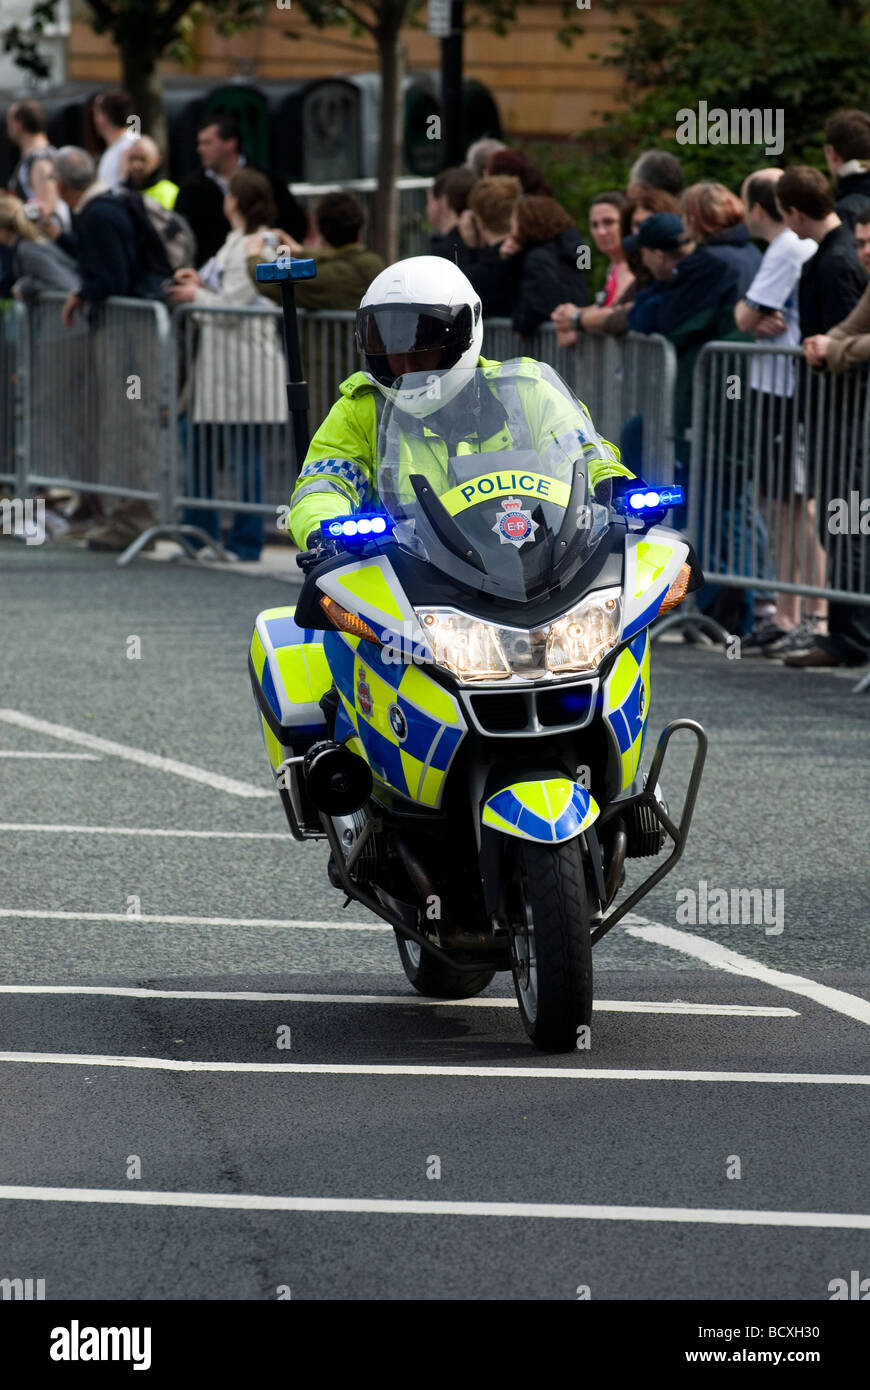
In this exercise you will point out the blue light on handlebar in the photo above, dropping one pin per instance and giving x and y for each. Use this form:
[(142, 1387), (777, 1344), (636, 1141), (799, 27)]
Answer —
[(655, 498), (356, 529)]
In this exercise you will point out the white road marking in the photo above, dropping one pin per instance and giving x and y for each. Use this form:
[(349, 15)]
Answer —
[(383, 1206), (785, 1078), (41, 757), (723, 958), (134, 755), (151, 919), (29, 827), (617, 1006)]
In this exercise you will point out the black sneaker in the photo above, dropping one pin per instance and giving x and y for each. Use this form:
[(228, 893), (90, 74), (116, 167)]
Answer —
[(800, 639), (762, 636)]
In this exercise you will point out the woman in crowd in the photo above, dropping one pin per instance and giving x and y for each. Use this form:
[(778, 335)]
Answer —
[(37, 264), (542, 232), (238, 378), (611, 315)]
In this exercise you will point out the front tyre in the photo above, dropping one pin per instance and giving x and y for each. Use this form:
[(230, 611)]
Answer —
[(551, 943), (432, 977)]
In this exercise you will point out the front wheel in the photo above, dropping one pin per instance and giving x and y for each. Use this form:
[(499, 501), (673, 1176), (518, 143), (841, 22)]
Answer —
[(551, 943), (432, 977)]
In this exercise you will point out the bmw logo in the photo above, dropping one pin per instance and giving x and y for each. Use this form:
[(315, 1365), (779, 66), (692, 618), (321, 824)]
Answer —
[(641, 700), (398, 723)]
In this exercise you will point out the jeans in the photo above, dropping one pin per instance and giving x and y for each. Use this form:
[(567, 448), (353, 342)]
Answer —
[(207, 447)]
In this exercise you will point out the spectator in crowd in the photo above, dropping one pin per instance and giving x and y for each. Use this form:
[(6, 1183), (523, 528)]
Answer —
[(847, 151), (483, 226), (692, 304), (33, 178), (200, 198), (37, 265), (847, 344), (656, 169), (142, 171), (446, 201), (844, 346), (478, 155), (345, 267), (543, 236), (104, 239), (613, 318), (769, 311), (112, 259), (110, 112), (519, 166), (833, 280), (238, 377), (862, 242)]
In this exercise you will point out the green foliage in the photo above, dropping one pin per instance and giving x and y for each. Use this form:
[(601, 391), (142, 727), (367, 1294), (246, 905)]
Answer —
[(806, 57)]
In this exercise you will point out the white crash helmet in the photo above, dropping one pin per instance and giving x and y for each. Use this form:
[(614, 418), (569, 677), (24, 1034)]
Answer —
[(417, 307)]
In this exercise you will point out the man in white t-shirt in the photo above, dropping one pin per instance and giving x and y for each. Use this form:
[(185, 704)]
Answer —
[(110, 112), (769, 311)]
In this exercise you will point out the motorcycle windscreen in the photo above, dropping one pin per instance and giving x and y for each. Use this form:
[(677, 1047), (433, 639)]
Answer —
[(495, 485)]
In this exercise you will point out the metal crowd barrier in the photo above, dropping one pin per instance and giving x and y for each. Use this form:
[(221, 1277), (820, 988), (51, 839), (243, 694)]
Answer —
[(189, 412), (10, 425), (94, 399), (777, 474)]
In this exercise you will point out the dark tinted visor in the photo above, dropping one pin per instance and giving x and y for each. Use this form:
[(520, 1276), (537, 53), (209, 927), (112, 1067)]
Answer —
[(403, 330)]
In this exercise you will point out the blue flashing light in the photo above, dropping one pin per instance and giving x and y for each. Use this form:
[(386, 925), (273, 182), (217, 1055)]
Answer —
[(356, 529), (655, 498)]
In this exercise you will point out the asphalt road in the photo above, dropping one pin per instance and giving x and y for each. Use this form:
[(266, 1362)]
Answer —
[(716, 1048)]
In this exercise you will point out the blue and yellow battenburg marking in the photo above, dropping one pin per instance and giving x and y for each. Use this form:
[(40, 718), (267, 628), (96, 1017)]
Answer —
[(549, 811), (371, 589), (290, 666), (406, 726), (625, 703), (651, 566)]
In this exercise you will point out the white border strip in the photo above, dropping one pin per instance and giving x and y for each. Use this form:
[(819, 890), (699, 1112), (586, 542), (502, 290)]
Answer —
[(26, 828), (852, 1005), (615, 1006), (230, 1201), (41, 757), (87, 1059), (148, 919), (134, 755)]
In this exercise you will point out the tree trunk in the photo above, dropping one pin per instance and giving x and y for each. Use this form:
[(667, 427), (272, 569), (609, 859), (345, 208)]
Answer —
[(142, 79), (385, 229)]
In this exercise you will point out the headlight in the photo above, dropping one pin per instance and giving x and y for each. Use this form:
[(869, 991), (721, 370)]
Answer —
[(582, 638), (468, 648), (473, 650)]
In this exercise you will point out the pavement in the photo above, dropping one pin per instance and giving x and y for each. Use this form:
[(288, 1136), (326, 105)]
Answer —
[(217, 1083)]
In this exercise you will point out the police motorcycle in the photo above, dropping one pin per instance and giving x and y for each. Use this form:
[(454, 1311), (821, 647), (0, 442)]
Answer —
[(458, 704)]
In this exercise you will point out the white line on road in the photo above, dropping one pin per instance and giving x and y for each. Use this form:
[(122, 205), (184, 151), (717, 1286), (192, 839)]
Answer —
[(30, 827), (621, 1006), (137, 919), (852, 1005), (40, 757), (134, 755), (87, 1059), (559, 1211)]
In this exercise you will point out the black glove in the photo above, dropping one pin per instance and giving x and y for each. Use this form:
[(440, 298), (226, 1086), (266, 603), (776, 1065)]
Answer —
[(318, 549)]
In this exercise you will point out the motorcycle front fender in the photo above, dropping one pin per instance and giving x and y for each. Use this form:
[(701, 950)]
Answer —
[(550, 810)]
